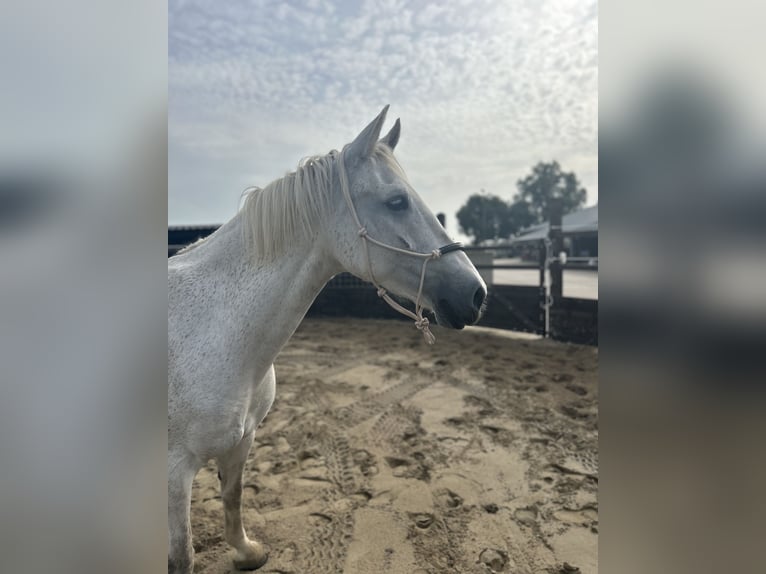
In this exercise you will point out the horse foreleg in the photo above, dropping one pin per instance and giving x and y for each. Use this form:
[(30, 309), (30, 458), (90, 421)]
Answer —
[(249, 553), (180, 550)]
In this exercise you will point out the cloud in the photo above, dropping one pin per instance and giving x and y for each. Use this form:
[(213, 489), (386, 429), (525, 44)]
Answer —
[(484, 89)]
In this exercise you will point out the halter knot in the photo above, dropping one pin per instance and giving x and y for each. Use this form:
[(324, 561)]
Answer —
[(381, 292), (436, 253), (423, 326), (362, 232)]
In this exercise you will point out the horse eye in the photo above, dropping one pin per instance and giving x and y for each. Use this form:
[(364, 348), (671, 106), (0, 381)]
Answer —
[(398, 203)]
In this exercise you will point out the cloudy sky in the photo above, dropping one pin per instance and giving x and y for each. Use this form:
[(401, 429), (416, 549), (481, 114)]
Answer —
[(484, 88)]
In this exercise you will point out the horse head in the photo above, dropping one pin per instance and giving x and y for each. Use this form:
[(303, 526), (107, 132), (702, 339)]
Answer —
[(383, 232)]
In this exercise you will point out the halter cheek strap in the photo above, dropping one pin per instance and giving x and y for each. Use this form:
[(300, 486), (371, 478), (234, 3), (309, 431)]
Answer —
[(421, 322)]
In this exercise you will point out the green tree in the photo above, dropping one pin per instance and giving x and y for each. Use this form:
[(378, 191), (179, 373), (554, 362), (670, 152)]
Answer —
[(485, 217), (545, 182), (521, 216)]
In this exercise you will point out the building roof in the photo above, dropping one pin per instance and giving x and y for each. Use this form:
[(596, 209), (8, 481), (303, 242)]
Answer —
[(582, 221)]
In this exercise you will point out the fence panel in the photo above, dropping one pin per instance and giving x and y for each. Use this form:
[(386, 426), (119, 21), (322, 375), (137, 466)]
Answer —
[(512, 307), (575, 321)]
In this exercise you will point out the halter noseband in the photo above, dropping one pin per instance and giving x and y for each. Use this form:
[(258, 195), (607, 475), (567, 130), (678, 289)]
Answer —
[(450, 247), (421, 322)]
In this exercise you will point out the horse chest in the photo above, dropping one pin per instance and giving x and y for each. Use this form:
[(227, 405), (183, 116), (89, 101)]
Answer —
[(233, 415), (260, 399)]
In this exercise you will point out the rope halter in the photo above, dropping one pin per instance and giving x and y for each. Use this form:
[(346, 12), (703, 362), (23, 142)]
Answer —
[(421, 322)]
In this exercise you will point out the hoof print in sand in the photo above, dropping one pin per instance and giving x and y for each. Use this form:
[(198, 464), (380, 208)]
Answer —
[(407, 468), (448, 499), (495, 560), (422, 520), (526, 516), (481, 458)]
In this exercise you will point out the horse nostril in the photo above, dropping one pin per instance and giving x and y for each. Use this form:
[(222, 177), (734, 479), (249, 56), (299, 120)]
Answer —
[(478, 297)]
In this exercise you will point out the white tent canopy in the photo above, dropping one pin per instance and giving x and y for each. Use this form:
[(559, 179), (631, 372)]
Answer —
[(582, 221)]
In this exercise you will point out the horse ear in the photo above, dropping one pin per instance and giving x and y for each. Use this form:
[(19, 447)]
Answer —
[(392, 137), (364, 144)]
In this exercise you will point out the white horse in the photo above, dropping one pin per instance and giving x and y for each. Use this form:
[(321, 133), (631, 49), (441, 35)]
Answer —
[(235, 298)]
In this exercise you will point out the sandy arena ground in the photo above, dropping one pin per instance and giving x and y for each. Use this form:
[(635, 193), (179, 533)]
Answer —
[(384, 455)]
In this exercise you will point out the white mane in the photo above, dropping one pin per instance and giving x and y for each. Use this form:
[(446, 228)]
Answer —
[(294, 206)]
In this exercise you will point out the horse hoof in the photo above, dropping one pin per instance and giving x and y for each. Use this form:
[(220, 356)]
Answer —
[(251, 558)]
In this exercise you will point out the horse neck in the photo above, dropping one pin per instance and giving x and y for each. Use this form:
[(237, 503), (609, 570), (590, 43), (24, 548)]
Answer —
[(264, 303)]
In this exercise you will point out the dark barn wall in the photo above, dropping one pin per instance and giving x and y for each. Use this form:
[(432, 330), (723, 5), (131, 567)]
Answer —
[(348, 296), (513, 307), (509, 307), (179, 237), (575, 321)]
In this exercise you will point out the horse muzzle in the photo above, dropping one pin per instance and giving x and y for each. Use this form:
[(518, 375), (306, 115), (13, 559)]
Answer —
[(455, 310)]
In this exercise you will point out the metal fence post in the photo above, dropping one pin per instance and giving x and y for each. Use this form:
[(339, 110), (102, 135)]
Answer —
[(557, 246), (542, 256)]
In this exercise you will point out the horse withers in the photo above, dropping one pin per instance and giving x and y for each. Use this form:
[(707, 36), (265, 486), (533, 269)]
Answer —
[(235, 298)]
